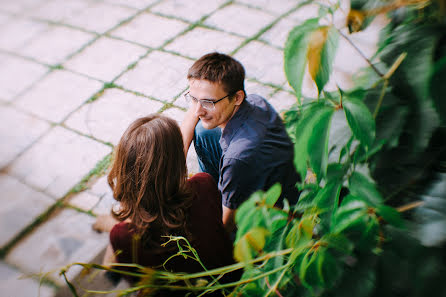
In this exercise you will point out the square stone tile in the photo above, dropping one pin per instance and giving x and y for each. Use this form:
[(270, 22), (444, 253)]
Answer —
[(56, 44), (274, 6), (140, 4), (252, 87), (13, 284), (100, 187), (106, 58), (175, 113), (100, 17), (108, 117), (262, 62), (181, 101), (282, 101), (58, 94), (21, 205), (160, 75), (58, 161), (105, 205), (19, 6), (150, 30), (4, 18), (72, 240), (18, 31), (84, 201), (201, 41), (26, 129), (240, 20), (16, 75), (58, 10), (304, 13), (190, 10), (278, 34)]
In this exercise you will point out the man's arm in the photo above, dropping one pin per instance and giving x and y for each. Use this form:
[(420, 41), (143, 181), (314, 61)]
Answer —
[(229, 219), (187, 128)]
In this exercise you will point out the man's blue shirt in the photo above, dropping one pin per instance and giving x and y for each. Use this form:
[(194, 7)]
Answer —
[(256, 153)]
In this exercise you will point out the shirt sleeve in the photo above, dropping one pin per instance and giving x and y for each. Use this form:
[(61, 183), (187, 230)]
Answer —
[(237, 182)]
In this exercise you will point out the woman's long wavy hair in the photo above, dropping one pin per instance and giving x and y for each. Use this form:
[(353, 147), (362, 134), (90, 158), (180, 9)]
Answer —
[(148, 178)]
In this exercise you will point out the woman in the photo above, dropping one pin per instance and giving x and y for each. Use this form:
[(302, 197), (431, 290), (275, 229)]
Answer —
[(149, 179)]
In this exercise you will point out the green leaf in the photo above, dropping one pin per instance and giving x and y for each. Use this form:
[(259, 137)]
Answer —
[(390, 215), (308, 272), (328, 268), (360, 120), (301, 233), (295, 52), (351, 212), (321, 52), (362, 187), (318, 144), (338, 242), (328, 197), (273, 194), (438, 88), (316, 113), (242, 250)]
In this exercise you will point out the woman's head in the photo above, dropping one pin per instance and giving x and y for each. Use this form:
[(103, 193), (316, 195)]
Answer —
[(149, 174)]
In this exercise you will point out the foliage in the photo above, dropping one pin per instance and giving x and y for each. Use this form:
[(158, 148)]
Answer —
[(371, 216)]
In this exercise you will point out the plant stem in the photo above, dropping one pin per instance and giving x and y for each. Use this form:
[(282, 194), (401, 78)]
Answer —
[(381, 97), (410, 206), (361, 53)]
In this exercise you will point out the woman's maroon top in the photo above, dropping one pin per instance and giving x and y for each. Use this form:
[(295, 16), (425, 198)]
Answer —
[(209, 237)]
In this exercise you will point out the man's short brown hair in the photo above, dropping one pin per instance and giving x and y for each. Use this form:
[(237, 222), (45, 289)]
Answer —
[(219, 68)]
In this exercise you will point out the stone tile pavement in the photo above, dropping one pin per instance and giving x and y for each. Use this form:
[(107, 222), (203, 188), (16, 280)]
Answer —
[(75, 73)]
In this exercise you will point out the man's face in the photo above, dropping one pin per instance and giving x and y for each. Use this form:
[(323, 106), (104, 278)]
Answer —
[(224, 109)]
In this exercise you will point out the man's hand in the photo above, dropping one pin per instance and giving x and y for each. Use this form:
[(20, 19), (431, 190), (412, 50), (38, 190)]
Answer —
[(187, 128), (229, 219)]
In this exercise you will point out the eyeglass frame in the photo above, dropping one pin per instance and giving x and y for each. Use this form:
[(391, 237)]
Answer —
[(188, 95)]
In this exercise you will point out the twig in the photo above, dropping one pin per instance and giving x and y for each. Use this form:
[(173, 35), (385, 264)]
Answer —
[(361, 53), (410, 206)]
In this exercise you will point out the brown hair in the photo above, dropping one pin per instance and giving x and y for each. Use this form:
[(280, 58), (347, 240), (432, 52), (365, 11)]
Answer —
[(219, 68), (149, 176)]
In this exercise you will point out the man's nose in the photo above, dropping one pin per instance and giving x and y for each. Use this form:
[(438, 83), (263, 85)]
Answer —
[(199, 110)]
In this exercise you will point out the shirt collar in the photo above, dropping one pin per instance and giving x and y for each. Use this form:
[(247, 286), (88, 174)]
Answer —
[(234, 124)]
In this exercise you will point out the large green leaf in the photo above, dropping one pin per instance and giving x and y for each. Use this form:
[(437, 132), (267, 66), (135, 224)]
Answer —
[(360, 120), (321, 53), (295, 52), (390, 215), (364, 188), (318, 144), (273, 194), (318, 115), (438, 88), (431, 217)]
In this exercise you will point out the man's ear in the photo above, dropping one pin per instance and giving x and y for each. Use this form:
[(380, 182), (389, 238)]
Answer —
[(239, 97)]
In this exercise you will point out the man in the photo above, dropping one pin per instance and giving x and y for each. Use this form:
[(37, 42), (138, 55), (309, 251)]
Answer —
[(240, 140)]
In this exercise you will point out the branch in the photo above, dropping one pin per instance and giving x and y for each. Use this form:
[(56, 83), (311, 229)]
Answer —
[(410, 206), (361, 53)]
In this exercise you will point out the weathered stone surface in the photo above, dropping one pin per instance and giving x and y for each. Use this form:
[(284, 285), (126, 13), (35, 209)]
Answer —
[(84, 201), (106, 201), (56, 44), (274, 6), (72, 240), (282, 101), (107, 117), (252, 87), (58, 94), (14, 284), (17, 32), (278, 34), (4, 18), (20, 130), (240, 20), (58, 161), (304, 13), (100, 17), (175, 113), (262, 62), (21, 205), (58, 10), (160, 75), (106, 58), (19, 6), (157, 30), (16, 75), (140, 4), (191, 10), (201, 41)]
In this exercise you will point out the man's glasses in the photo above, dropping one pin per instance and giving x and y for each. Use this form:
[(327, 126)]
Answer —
[(208, 104)]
